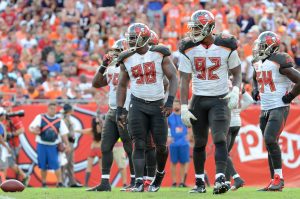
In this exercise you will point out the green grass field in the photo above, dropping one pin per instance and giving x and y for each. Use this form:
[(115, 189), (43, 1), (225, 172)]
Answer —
[(165, 193)]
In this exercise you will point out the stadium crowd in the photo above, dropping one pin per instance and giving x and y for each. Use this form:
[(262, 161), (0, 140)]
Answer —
[(51, 49)]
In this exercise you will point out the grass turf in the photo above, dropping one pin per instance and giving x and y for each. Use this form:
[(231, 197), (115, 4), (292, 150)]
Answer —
[(164, 193)]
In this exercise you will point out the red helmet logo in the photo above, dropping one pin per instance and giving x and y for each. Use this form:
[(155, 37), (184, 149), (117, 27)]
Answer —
[(144, 32), (269, 40), (203, 19)]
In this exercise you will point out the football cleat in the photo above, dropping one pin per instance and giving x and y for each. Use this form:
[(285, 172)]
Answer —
[(238, 183), (266, 188), (138, 187), (227, 183), (147, 184), (199, 187), (103, 186), (155, 185), (220, 186), (277, 184)]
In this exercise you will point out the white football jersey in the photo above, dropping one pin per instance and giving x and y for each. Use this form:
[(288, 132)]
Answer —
[(272, 84), (112, 77), (146, 75), (209, 66)]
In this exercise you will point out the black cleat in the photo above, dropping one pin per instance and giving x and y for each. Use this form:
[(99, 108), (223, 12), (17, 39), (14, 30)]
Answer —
[(199, 187), (174, 185), (277, 184), (76, 185), (227, 183), (266, 188), (138, 187), (155, 185), (220, 186), (103, 186), (60, 185), (238, 183)]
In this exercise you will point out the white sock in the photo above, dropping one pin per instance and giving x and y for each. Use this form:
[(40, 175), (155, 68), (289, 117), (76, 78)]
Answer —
[(105, 176), (279, 172), (149, 178), (132, 176), (139, 179), (219, 174), (236, 176), (144, 177), (200, 176)]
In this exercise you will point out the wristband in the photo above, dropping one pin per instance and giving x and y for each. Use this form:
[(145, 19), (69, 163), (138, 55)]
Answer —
[(102, 69), (288, 98), (169, 102), (119, 110)]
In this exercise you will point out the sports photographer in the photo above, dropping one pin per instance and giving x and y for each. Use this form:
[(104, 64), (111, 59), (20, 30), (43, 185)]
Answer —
[(14, 127)]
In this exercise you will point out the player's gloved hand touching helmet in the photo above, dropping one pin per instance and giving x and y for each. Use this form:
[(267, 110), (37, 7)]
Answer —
[(288, 98), (186, 115), (233, 97), (121, 117), (255, 94), (107, 59)]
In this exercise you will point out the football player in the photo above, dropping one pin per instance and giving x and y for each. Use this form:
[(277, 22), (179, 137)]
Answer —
[(150, 164), (145, 67), (108, 74), (206, 59), (272, 79), (235, 125)]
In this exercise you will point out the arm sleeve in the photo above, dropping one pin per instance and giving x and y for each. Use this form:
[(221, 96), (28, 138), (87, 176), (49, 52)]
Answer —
[(185, 64), (234, 60), (36, 122), (246, 101), (63, 129)]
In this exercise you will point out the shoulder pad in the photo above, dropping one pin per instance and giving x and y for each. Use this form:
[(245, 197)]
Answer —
[(125, 54), (226, 40), (161, 49), (185, 44), (283, 59)]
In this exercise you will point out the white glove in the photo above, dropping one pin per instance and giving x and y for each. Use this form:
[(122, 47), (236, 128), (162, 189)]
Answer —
[(233, 97), (186, 115)]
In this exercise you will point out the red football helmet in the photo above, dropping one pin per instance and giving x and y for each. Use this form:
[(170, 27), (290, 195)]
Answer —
[(138, 35), (201, 25), (267, 43), (154, 39)]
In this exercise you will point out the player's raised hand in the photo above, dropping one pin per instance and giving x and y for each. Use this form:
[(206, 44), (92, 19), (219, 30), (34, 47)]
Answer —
[(233, 97), (186, 115), (107, 58)]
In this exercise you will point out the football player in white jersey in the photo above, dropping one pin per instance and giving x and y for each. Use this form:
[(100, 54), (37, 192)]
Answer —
[(206, 59), (145, 68), (273, 77), (108, 74), (235, 125)]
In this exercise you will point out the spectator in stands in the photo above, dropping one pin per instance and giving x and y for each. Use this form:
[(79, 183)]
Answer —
[(245, 21), (179, 147), (49, 130), (51, 63)]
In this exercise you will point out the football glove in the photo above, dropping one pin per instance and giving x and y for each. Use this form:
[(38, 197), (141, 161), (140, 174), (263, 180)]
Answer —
[(288, 98), (233, 97), (255, 94), (186, 115)]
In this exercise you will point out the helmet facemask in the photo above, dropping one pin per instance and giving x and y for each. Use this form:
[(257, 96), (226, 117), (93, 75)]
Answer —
[(197, 32), (136, 41), (261, 50)]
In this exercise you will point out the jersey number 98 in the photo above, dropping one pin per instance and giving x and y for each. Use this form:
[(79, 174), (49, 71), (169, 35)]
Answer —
[(144, 73)]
